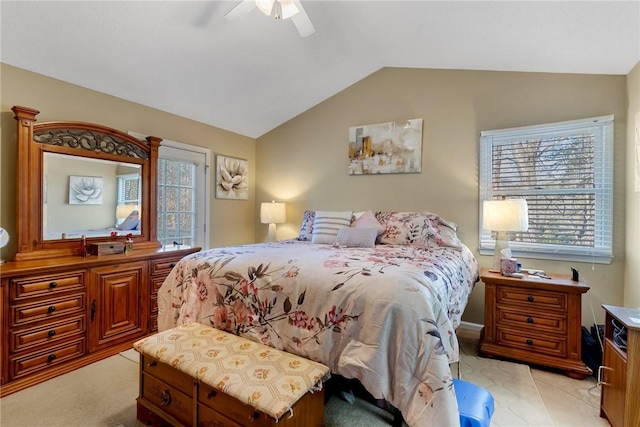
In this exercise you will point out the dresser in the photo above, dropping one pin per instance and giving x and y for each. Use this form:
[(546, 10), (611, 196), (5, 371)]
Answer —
[(619, 374), (534, 320), (62, 313)]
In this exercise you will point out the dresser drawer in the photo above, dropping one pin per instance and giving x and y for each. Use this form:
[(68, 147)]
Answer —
[(49, 309), (166, 373), (531, 320), (46, 285), (162, 267), (534, 299), (21, 365), (50, 333), (208, 417), (550, 345), (167, 399), (229, 406)]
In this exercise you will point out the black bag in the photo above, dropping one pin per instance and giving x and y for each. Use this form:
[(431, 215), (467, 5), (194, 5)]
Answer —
[(591, 351)]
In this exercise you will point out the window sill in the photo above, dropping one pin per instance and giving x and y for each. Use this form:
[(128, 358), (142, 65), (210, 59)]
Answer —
[(586, 258)]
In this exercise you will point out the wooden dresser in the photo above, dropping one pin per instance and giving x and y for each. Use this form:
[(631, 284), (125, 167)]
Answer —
[(619, 374), (63, 313), (534, 320)]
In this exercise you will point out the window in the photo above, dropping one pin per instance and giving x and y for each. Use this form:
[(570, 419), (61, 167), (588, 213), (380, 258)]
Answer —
[(565, 172), (182, 195)]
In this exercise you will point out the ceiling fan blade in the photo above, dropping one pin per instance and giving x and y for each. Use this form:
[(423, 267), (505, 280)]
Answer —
[(302, 21), (241, 10)]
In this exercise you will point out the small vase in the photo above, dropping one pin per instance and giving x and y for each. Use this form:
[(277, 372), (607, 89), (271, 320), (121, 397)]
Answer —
[(128, 246)]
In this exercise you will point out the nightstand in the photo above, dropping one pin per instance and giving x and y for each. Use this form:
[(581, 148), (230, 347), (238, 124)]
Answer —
[(620, 371), (534, 320)]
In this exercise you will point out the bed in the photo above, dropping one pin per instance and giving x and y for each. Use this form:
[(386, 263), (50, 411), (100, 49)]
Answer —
[(382, 310)]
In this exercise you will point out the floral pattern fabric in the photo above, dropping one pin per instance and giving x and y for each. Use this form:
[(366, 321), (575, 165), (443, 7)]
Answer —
[(384, 315)]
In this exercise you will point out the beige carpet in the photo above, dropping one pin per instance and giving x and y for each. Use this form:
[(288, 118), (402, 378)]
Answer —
[(104, 393)]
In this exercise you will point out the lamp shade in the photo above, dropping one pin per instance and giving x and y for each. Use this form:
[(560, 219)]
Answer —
[(505, 215), (123, 211), (272, 213)]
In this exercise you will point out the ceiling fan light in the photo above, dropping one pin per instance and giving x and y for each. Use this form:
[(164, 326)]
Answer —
[(265, 6), (288, 8)]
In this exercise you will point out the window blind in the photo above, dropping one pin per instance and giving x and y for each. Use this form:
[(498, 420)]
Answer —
[(565, 172)]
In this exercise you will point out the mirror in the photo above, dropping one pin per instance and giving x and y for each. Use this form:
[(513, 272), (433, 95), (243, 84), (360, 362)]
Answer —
[(90, 196), (75, 176)]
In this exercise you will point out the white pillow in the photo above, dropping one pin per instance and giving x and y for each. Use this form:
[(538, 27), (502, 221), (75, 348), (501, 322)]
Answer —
[(130, 222), (368, 220), (326, 225), (357, 237)]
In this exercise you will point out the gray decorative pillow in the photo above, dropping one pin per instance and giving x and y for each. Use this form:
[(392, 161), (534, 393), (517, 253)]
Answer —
[(360, 237), (130, 222), (326, 225)]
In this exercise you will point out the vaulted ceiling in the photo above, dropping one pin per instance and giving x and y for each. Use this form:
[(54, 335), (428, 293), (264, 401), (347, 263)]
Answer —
[(250, 75)]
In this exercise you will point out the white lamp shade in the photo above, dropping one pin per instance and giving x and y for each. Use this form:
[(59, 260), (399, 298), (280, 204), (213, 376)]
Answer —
[(272, 213), (123, 211), (505, 215)]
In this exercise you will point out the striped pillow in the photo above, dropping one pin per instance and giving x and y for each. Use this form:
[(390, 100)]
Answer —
[(326, 225)]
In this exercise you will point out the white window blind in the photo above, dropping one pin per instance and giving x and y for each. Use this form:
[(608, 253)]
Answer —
[(565, 172)]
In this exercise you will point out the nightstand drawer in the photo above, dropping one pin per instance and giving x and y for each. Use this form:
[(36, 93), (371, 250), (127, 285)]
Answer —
[(531, 320), (553, 346), (535, 299)]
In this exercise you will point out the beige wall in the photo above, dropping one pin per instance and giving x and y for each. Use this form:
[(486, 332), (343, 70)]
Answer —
[(232, 222), (632, 229), (304, 161)]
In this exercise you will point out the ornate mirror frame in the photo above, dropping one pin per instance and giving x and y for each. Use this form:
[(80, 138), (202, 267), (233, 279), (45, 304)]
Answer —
[(83, 140)]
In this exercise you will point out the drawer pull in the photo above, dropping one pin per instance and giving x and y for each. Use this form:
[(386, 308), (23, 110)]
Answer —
[(529, 342), (152, 364), (165, 398), (212, 394), (529, 319), (51, 333), (254, 416), (93, 310), (530, 298), (53, 285), (51, 357), (173, 264), (51, 308)]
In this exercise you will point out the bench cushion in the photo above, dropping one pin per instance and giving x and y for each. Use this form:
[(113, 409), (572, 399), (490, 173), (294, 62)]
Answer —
[(475, 404), (265, 378)]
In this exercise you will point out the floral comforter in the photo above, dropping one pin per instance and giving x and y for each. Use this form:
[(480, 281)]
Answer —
[(384, 315)]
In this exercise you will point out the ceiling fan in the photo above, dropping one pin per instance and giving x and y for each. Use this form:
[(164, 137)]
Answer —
[(279, 9)]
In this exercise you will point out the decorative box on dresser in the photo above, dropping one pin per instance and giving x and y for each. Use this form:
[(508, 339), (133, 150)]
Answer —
[(534, 320), (619, 374), (67, 312), (61, 309)]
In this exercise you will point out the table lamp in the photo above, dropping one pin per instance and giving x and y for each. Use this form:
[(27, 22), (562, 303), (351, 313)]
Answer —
[(503, 216), (272, 213)]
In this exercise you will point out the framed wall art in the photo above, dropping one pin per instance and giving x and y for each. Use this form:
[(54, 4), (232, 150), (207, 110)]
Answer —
[(393, 147), (232, 178), (85, 190)]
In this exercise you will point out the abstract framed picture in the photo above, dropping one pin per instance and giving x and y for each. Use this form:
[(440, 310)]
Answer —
[(85, 190), (232, 178), (384, 148)]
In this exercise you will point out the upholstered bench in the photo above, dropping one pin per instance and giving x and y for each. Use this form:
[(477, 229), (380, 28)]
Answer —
[(475, 404), (196, 375)]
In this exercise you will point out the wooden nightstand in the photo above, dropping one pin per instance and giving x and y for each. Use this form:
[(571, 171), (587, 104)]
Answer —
[(620, 371), (534, 320)]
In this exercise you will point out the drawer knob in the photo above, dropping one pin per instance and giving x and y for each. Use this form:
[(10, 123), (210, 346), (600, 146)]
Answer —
[(51, 333), (212, 394), (530, 298), (51, 357), (173, 264), (255, 415), (529, 342), (165, 398), (529, 319), (53, 285), (152, 364), (51, 308)]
